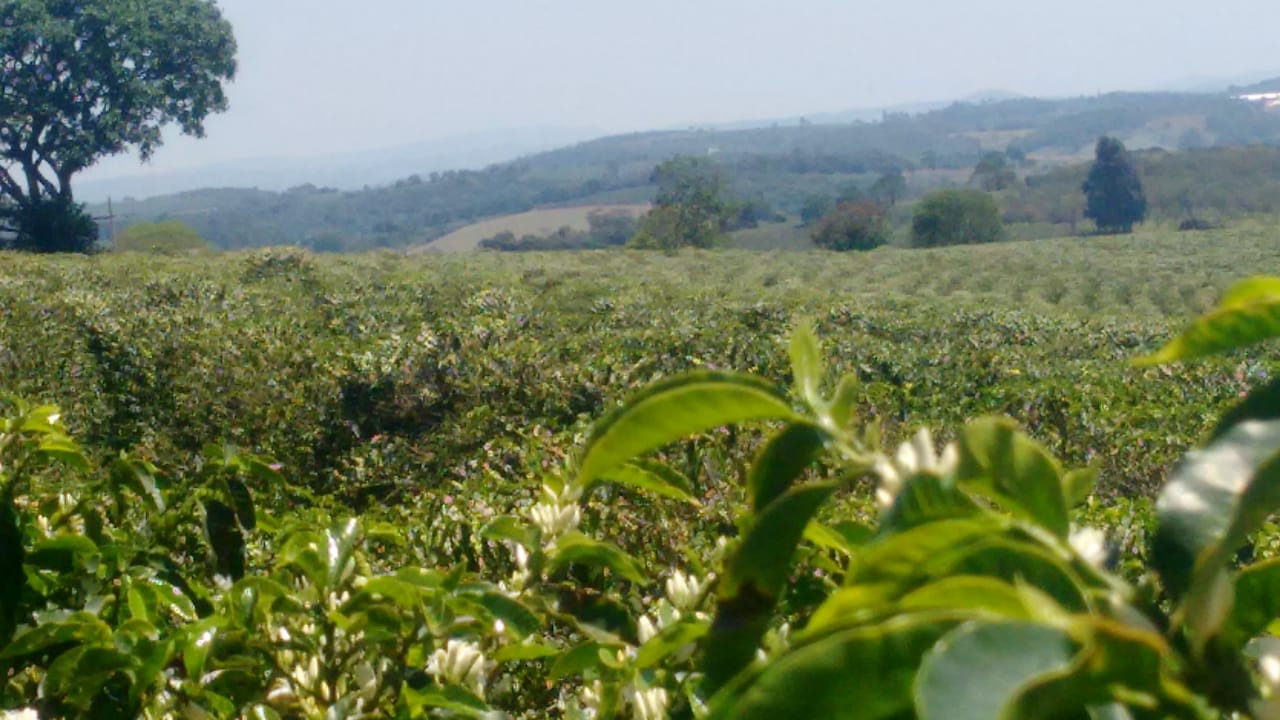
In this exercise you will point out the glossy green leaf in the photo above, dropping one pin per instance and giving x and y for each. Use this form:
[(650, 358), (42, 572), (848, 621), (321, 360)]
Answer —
[(977, 671), (1262, 403), (340, 543), (575, 547), (862, 673), (196, 642), (925, 499), (1214, 499), (1248, 313), (451, 698), (1257, 599), (754, 578), (653, 477), (999, 462), (782, 462), (676, 408)]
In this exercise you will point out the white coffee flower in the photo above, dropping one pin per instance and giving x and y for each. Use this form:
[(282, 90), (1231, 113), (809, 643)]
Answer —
[(649, 704), (555, 520), (1090, 543), (1268, 651), (914, 457), (646, 630), (684, 591), (460, 662), (20, 714)]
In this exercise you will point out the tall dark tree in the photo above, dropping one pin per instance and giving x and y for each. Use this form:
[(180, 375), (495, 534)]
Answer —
[(1114, 199), (84, 79)]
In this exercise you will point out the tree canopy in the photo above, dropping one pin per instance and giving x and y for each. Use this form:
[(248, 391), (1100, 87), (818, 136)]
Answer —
[(1114, 198), (84, 79), (956, 217), (690, 207)]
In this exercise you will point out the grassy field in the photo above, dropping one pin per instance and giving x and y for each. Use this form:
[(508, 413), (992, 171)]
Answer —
[(535, 222)]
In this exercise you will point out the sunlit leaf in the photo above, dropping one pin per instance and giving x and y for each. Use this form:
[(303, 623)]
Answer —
[(1248, 313), (676, 408)]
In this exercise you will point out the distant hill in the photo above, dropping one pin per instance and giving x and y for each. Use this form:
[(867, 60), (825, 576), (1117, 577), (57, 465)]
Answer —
[(779, 166), (345, 171)]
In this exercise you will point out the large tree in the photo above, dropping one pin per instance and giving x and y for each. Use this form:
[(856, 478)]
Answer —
[(690, 208), (1114, 199), (84, 79)]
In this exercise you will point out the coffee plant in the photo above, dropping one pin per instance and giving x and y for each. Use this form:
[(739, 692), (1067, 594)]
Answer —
[(823, 577)]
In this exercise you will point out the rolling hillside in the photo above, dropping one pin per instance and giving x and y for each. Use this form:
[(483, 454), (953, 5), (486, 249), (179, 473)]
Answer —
[(780, 165)]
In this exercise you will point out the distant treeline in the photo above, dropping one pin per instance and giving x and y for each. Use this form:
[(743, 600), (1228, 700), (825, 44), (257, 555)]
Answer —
[(778, 170)]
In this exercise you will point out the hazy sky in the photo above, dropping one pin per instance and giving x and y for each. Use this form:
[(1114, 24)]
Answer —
[(323, 76)]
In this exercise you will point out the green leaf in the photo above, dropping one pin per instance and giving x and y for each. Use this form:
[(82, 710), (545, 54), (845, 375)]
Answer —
[(1257, 599), (807, 367), (506, 527), (575, 661), (844, 401), (139, 477), (450, 697), (575, 547), (513, 653), (843, 537), (81, 628), (1248, 313), (62, 553), (79, 673), (862, 673), (654, 477), (673, 409), (340, 543), (924, 499), (782, 461), (1078, 485), (668, 642), (63, 450), (969, 593), (521, 619), (754, 578), (1006, 466), (196, 641), (1214, 499), (978, 670)]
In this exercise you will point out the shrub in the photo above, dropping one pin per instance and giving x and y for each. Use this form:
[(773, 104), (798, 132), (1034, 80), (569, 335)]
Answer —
[(170, 236), (956, 217), (852, 226)]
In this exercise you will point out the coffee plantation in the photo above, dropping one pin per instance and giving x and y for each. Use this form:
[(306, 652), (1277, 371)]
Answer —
[(959, 483)]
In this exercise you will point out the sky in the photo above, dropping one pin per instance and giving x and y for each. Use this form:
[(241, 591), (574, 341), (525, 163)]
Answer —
[(319, 77)]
